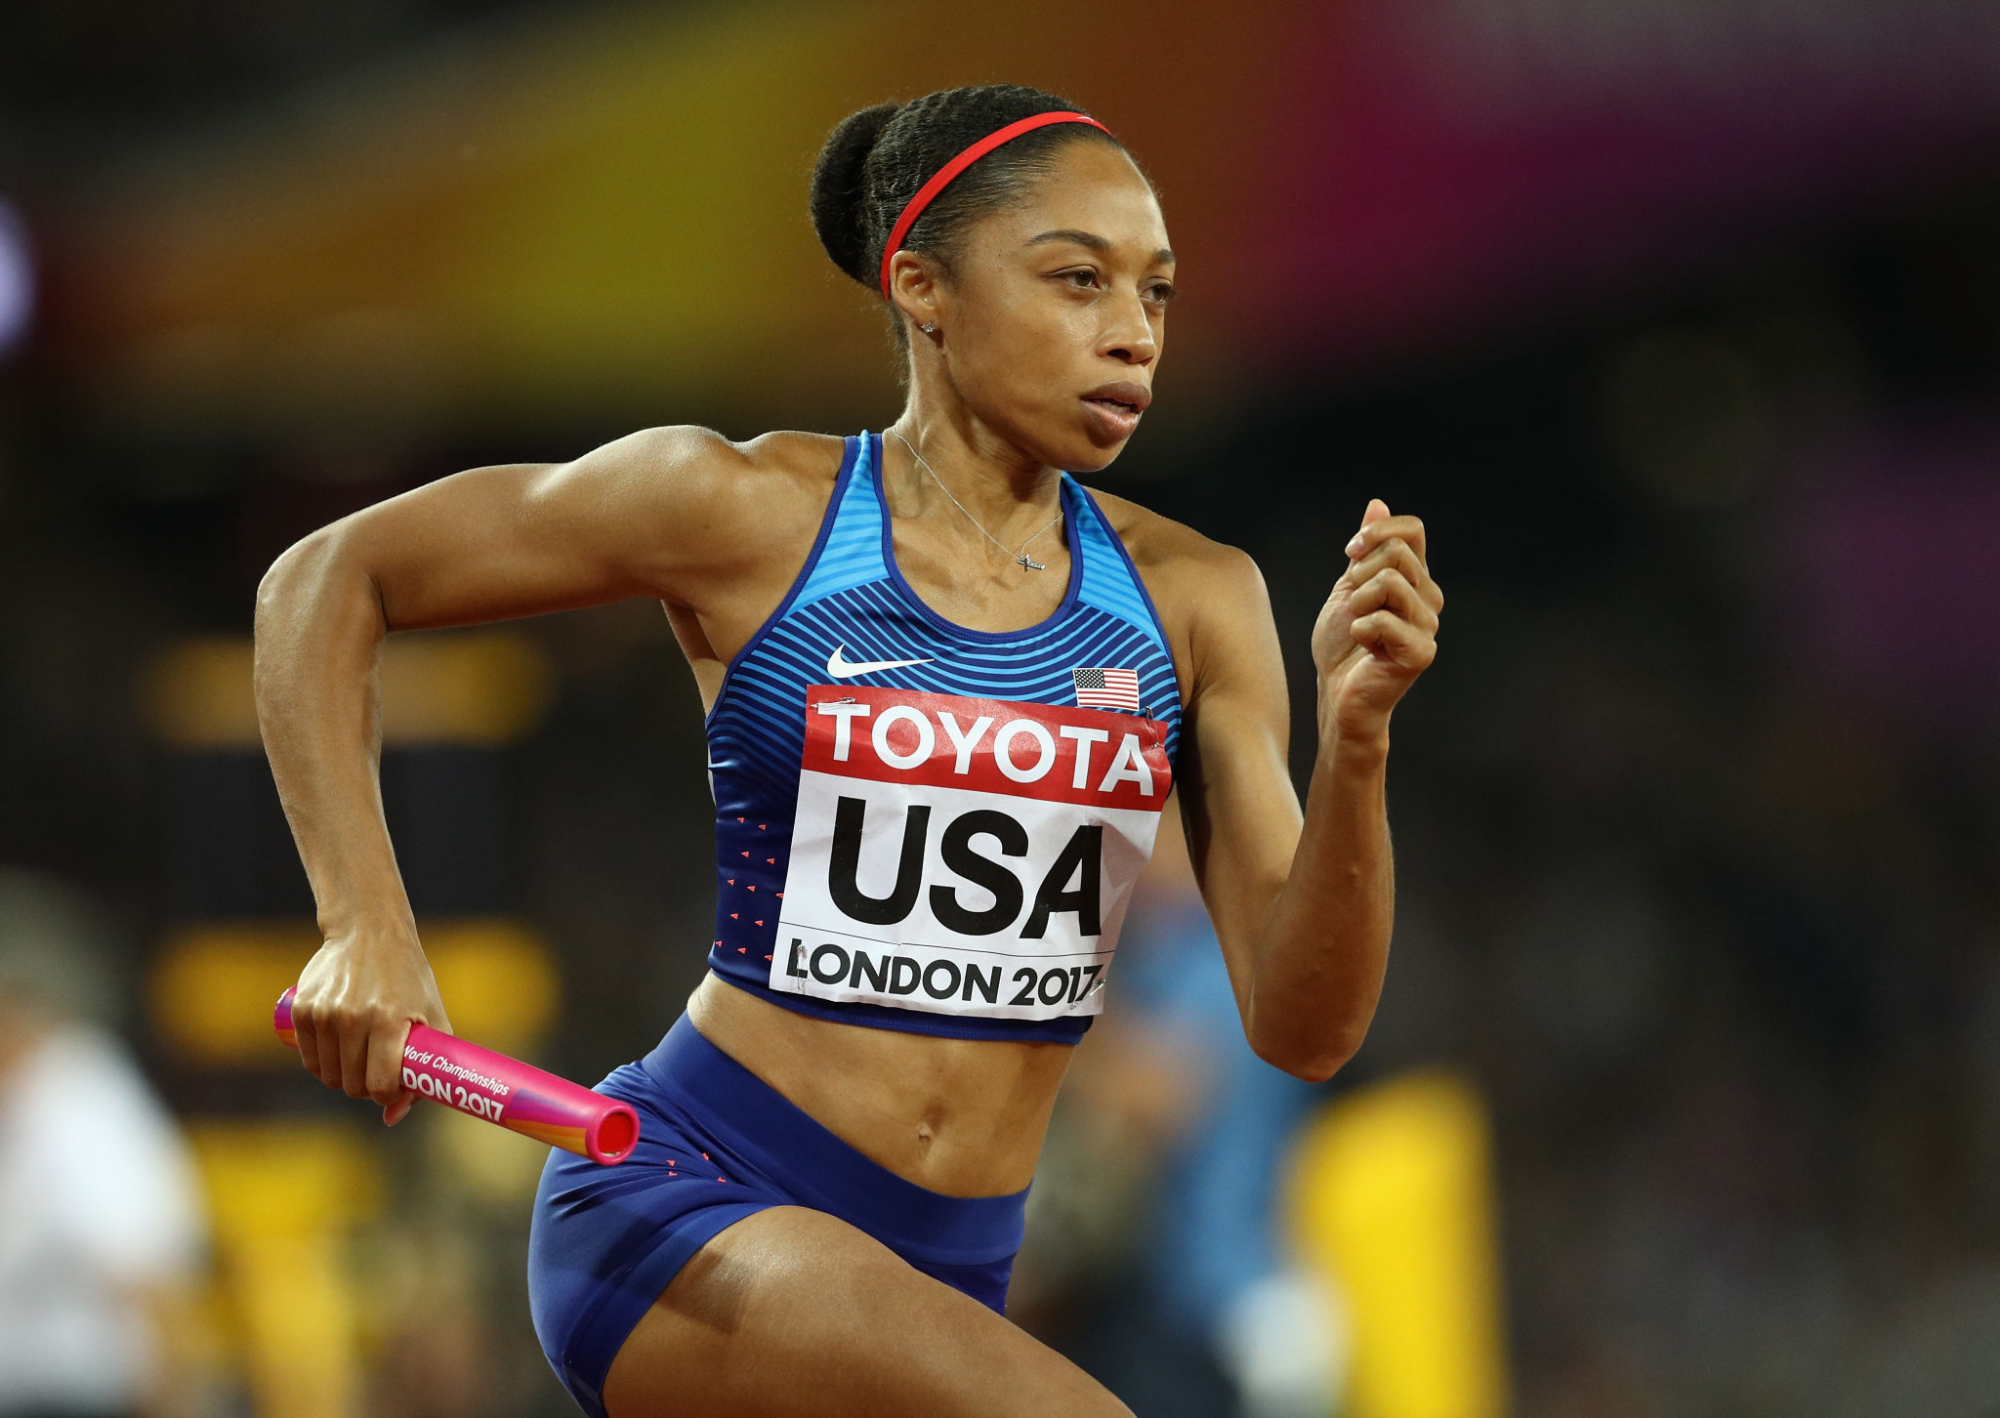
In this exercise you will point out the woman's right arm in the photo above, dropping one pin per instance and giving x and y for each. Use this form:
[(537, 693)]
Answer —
[(668, 513)]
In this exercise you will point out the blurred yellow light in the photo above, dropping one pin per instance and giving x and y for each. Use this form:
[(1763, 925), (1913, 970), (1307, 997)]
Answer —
[(214, 985), (291, 1177), (604, 211), (297, 1309), (493, 1166), (482, 689), (283, 1196), (1392, 1198), (498, 980)]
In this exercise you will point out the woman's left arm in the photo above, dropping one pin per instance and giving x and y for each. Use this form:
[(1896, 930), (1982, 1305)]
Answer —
[(1304, 901)]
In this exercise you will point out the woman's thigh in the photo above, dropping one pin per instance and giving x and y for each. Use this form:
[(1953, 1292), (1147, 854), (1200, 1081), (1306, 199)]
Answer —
[(791, 1311)]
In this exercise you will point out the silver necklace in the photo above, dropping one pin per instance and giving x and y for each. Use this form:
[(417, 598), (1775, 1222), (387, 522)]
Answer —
[(1020, 556)]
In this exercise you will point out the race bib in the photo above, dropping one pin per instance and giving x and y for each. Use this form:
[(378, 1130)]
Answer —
[(964, 856)]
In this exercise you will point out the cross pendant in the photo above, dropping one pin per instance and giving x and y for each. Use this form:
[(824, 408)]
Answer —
[(1027, 565)]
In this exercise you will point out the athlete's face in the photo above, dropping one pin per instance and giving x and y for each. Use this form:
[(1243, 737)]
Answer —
[(1056, 310)]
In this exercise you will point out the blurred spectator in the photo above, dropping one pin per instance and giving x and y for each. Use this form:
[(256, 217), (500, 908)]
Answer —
[(1221, 1272), (1155, 1206), (101, 1229)]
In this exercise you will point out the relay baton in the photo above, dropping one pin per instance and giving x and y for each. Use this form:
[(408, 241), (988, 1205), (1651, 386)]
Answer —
[(497, 1089)]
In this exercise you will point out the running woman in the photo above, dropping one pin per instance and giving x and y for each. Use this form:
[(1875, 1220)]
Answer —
[(948, 689)]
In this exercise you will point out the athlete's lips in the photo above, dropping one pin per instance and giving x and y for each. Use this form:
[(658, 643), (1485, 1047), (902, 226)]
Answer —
[(1122, 392), (1117, 406)]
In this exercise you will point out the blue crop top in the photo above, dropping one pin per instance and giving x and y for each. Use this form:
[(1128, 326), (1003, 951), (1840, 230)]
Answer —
[(929, 828)]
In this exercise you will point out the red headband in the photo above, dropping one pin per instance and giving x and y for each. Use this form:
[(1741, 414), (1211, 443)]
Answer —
[(950, 171)]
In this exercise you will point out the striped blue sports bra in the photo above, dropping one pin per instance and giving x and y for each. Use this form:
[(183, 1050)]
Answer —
[(929, 828)]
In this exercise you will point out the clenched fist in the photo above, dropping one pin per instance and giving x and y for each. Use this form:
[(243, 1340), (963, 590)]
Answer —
[(1378, 629)]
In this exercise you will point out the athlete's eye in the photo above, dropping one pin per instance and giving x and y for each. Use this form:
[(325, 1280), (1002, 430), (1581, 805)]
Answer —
[(1082, 277), (1160, 292)]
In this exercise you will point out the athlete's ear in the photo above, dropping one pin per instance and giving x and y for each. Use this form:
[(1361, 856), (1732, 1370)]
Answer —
[(913, 285)]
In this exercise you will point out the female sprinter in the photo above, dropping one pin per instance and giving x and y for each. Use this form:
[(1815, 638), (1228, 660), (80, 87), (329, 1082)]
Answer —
[(947, 691)]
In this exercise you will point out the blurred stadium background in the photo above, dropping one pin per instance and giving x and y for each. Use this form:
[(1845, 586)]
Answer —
[(1677, 320)]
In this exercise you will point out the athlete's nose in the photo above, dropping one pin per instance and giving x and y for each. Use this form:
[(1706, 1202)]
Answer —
[(1128, 334)]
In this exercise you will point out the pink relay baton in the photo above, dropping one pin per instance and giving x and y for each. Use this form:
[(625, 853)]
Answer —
[(497, 1089)]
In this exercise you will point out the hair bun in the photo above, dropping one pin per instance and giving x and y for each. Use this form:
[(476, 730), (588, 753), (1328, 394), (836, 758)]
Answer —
[(839, 190)]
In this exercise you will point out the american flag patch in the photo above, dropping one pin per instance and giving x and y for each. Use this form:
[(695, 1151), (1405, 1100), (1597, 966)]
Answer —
[(1107, 689)]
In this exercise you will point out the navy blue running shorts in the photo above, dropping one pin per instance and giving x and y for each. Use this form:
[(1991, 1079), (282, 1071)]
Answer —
[(717, 1143)]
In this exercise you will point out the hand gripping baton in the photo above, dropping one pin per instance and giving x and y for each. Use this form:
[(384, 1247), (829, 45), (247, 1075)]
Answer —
[(497, 1089)]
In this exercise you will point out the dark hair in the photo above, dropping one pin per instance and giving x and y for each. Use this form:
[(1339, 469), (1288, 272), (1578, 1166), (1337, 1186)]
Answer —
[(875, 161)]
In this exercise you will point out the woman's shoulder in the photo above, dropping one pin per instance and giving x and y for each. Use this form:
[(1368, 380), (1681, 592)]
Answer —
[(1208, 594), (701, 510), (1172, 558), (704, 481), (689, 453)]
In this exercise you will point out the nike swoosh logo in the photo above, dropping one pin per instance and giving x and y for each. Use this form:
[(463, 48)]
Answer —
[(840, 667)]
